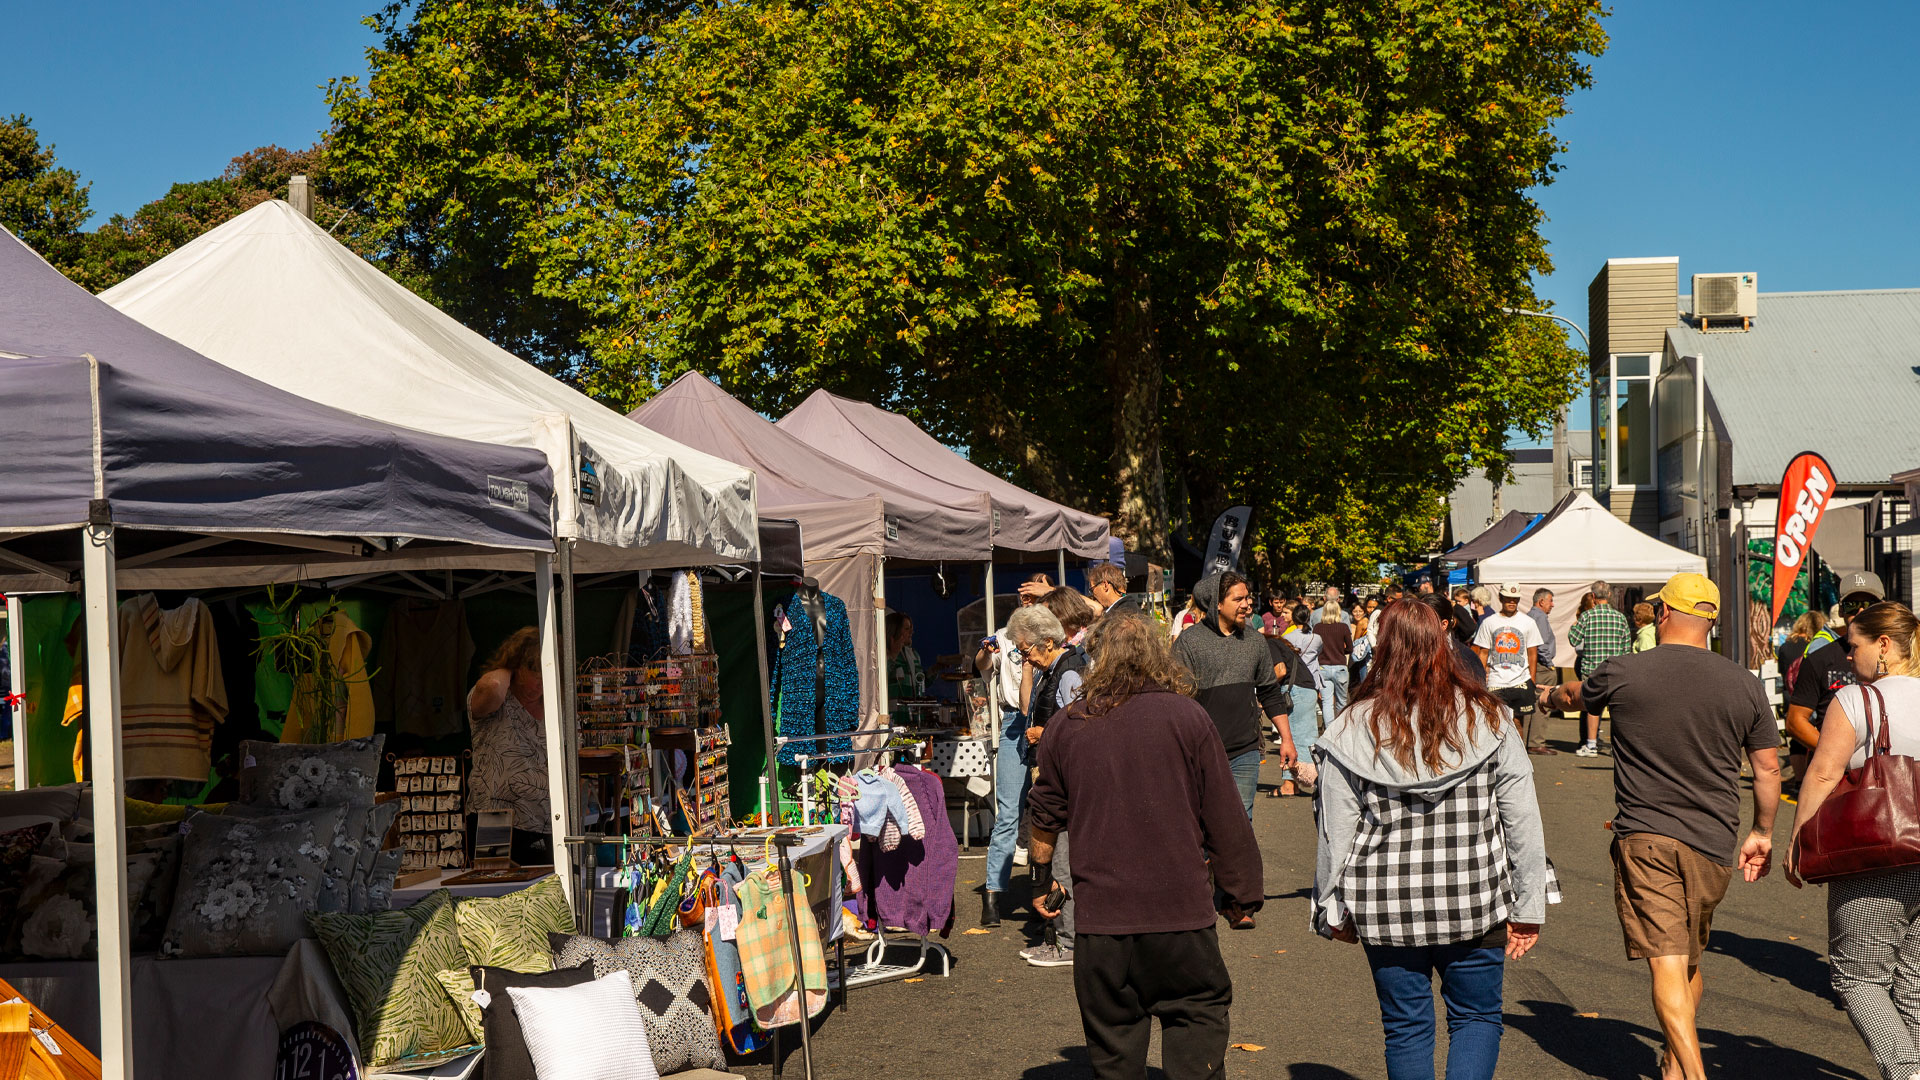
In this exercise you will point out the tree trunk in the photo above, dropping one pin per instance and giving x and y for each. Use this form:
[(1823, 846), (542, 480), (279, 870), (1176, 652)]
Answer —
[(1134, 375)]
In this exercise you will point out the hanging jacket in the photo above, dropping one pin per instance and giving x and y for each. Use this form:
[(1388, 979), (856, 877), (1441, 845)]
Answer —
[(816, 685)]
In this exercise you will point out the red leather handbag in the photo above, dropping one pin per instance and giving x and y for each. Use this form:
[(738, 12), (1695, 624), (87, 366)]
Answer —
[(1871, 822)]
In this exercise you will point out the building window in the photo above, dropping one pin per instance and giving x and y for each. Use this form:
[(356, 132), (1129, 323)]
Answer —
[(1623, 410), (1583, 475)]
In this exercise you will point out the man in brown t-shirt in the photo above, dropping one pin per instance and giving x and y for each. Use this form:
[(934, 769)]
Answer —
[(1683, 717)]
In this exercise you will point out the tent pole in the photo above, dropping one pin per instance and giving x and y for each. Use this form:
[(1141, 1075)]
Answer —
[(559, 794), (109, 802), (1061, 565), (880, 639), (16, 651), (766, 699)]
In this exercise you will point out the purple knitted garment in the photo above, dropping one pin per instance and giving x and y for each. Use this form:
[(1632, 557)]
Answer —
[(913, 883)]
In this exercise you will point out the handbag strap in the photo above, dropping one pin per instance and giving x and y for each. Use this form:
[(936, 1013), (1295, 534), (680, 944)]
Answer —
[(1882, 740)]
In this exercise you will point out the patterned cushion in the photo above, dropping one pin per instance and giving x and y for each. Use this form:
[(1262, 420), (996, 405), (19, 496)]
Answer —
[(377, 893), (511, 931), (297, 776), (592, 1031), (343, 851), (459, 986), (246, 884), (387, 962), (670, 984)]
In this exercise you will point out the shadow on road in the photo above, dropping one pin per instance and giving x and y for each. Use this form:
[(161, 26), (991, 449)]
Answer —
[(1803, 968), (1305, 1071), (1618, 1050)]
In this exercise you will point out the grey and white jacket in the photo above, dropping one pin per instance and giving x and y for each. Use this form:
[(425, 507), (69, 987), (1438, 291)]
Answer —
[(1412, 856)]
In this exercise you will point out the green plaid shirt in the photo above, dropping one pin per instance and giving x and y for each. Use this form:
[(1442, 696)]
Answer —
[(1598, 636)]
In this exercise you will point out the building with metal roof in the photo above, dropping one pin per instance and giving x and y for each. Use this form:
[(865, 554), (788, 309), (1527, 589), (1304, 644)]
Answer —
[(1699, 401)]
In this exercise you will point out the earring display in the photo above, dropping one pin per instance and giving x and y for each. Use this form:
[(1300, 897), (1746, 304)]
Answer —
[(433, 819)]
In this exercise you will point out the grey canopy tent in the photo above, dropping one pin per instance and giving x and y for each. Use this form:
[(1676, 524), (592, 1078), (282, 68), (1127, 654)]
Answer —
[(1493, 539), (850, 521), (894, 448), (131, 457)]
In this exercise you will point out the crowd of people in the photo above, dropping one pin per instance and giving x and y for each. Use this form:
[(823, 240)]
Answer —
[(1411, 717)]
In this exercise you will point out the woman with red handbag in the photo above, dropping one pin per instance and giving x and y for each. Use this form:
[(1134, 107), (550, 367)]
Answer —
[(1872, 827)]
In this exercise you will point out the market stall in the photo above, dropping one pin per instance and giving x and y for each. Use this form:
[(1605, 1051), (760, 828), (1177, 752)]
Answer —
[(1577, 543), (269, 293), (140, 464)]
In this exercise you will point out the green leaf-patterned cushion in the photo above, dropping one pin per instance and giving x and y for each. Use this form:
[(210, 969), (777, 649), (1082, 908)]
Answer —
[(459, 987), (388, 962), (511, 931)]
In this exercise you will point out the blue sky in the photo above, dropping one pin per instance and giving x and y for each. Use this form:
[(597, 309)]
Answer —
[(1762, 136)]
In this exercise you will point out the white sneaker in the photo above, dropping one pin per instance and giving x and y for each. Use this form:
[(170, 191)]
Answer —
[(1587, 750), (1019, 856), (1048, 956)]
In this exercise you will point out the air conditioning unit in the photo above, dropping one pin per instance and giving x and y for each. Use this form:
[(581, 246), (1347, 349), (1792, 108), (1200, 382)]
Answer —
[(1725, 296)]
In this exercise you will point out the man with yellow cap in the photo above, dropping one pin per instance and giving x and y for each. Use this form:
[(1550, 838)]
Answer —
[(1683, 718)]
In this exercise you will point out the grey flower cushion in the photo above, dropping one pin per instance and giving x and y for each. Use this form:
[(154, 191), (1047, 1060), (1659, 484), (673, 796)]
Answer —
[(300, 776), (247, 884), (669, 982), (343, 851)]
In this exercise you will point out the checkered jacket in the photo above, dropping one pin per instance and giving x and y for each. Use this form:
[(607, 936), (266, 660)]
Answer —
[(1428, 873), (1600, 634)]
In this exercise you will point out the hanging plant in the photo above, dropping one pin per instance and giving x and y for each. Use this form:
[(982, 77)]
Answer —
[(299, 645)]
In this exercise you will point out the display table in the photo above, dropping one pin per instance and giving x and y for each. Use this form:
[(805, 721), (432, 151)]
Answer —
[(191, 1018), (413, 894)]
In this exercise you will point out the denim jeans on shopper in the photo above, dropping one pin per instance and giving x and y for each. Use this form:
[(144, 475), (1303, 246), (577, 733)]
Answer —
[(1009, 798), (1303, 723), (1333, 692), (1470, 981), (1246, 775)]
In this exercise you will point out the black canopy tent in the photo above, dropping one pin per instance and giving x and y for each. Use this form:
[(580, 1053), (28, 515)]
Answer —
[(132, 458)]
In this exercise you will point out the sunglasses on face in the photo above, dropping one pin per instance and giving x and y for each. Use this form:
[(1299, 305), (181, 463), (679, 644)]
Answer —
[(1850, 608)]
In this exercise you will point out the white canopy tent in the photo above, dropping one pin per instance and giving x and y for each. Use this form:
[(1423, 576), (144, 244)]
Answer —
[(1580, 542), (270, 294)]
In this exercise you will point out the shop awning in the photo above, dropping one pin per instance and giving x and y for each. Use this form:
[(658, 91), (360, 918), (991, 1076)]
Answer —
[(270, 294), (889, 445)]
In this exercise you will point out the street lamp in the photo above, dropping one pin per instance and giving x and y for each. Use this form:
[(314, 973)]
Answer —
[(1560, 482)]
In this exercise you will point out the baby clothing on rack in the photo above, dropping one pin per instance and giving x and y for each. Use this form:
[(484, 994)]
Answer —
[(766, 953), (876, 802), (890, 837)]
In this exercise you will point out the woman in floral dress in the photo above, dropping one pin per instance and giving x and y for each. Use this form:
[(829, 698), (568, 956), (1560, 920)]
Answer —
[(510, 745)]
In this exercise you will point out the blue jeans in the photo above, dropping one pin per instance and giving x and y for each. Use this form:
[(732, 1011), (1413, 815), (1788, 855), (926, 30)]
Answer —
[(1303, 722), (1009, 799), (1333, 692), (1470, 983), (1246, 776)]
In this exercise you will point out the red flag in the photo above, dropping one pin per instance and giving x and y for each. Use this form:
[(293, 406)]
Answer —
[(1805, 491)]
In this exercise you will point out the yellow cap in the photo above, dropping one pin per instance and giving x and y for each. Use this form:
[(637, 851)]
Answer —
[(1689, 593)]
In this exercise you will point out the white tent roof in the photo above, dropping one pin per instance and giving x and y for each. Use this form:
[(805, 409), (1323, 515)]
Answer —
[(1582, 541), (269, 293)]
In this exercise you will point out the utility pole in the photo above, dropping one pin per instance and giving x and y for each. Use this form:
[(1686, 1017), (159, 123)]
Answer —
[(1561, 480)]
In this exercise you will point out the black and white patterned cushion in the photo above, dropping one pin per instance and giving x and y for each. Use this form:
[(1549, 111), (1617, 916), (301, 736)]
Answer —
[(669, 982)]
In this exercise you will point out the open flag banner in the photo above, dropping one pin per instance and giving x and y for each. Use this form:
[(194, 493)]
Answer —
[(1805, 491)]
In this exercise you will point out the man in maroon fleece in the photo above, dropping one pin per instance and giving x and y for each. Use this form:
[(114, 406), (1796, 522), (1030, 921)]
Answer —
[(1137, 773)]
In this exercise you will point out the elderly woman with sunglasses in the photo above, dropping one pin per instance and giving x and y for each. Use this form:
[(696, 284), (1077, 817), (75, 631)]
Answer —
[(1873, 920)]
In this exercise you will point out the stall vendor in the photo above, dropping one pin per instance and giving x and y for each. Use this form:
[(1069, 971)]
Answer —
[(510, 745)]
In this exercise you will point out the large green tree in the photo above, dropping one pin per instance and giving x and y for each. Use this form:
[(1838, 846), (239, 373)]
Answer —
[(452, 145), (1150, 256), (40, 202)]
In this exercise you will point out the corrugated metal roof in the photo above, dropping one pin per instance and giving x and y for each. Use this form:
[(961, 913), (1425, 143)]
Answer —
[(1827, 371)]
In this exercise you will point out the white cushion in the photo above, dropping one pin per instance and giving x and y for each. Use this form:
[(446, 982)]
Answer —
[(592, 1031)]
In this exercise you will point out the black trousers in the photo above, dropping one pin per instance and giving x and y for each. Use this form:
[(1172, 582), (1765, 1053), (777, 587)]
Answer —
[(1123, 981)]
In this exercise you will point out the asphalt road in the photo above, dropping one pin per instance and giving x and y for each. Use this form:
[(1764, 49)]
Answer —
[(1576, 1007)]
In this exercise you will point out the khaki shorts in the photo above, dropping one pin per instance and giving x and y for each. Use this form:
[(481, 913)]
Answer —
[(1665, 892)]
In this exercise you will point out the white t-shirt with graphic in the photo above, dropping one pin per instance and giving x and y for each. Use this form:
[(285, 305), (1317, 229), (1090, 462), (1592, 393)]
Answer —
[(1507, 639)]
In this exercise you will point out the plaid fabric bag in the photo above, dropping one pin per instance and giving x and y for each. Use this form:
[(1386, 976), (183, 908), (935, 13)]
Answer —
[(766, 953)]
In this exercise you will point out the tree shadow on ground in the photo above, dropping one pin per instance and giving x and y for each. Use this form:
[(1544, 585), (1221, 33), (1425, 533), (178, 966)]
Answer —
[(1301, 1070), (1618, 1050), (1797, 965)]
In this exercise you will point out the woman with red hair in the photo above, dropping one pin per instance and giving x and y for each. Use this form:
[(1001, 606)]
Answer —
[(1431, 850)]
